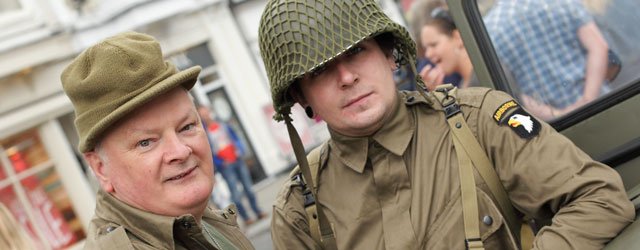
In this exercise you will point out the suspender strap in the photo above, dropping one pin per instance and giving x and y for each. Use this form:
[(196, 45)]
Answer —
[(472, 147), (319, 226), (469, 195), (321, 229), (488, 173)]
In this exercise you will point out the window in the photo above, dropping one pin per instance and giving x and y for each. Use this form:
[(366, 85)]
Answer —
[(216, 98), (563, 55), (198, 55), (32, 190)]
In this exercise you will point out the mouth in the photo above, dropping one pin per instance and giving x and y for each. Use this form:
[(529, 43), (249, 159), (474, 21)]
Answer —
[(356, 100), (181, 175)]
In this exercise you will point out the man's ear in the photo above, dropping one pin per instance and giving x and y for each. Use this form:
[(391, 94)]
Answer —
[(100, 170), (391, 60)]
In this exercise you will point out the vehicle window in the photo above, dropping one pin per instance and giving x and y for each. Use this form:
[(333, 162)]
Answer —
[(560, 55)]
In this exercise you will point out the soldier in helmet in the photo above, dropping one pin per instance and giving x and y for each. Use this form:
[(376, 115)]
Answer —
[(408, 170)]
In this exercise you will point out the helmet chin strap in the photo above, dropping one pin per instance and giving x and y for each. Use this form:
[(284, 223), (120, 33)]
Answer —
[(325, 232), (298, 150), (419, 83)]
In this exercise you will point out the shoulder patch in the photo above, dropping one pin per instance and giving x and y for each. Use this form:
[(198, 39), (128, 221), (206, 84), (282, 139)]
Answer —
[(525, 125), (499, 114), (521, 122)]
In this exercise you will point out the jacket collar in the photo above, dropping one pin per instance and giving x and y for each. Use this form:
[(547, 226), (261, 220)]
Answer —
[(154, 229), (394, 136)]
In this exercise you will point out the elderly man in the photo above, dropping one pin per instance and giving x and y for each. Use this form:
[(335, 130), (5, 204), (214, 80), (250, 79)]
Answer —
[(141, 134)]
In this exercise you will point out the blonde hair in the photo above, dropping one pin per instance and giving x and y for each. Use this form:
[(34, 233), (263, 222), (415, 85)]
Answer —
[(12, 235)]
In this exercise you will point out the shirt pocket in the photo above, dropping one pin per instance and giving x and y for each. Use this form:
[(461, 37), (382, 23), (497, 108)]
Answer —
[(447, 231)]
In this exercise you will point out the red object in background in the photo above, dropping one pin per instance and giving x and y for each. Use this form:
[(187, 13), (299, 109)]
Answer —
[(2, 175), (47, 216), (9, 199)]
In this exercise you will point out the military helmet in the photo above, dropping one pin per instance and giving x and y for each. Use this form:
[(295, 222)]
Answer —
[(298, 36)]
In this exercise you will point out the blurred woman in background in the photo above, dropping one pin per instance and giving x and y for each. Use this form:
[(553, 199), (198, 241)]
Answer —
[(443, 46)]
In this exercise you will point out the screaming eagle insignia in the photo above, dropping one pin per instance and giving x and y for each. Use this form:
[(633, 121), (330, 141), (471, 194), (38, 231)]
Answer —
[(512, 115), (521, 120)]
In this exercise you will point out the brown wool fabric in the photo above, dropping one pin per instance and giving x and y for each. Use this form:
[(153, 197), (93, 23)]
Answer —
[(111, 79)]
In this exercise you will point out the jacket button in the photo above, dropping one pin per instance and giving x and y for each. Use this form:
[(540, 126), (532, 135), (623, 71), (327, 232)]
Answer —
[(186, 225), (230, 211), (110, 229), (487, 220)]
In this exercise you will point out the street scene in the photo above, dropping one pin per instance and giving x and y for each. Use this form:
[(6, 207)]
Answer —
[(428, 124)]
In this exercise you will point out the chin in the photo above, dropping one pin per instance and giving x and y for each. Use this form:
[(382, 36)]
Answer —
[(197, 194)]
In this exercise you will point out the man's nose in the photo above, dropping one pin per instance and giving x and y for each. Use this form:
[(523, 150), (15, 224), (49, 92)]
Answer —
[(346, 76), (176, 150)]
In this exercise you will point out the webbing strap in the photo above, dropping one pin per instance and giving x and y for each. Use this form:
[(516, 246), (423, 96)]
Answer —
[(317, 219), (472, 147), (319, 226), (468, 190), (487, 172), (312, 218)]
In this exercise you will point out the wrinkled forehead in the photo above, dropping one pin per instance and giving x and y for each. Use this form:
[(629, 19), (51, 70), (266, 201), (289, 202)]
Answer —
[(173, 106)]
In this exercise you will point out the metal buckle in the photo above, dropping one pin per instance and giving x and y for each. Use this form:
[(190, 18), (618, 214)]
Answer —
[(308, 198), (451, 110), (449, 104)]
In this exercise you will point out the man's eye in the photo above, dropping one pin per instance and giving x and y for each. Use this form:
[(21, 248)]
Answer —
[(353, 51), (189, 126), (317, 71), (144, 143)]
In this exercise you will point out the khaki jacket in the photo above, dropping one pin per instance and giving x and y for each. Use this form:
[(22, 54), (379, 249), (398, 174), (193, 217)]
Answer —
[(399, 188), (117, 225)]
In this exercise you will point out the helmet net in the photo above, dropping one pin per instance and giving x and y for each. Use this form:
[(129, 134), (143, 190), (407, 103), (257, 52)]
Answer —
[(298, 36)]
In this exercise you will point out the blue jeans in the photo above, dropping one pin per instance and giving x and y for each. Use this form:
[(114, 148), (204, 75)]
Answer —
[(239, 171)]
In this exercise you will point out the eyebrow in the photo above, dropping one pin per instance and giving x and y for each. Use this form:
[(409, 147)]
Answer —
[(185, 117)]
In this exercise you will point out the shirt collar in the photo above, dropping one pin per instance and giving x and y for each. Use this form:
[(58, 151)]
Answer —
[(394, 136)]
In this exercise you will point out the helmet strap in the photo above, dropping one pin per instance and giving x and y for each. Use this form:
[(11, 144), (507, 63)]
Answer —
[(298, 150), (422, 89)]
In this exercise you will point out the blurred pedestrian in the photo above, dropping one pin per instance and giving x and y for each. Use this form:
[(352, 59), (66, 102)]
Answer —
[(556, 52), (228, 152), (420, 13), (444, 47)]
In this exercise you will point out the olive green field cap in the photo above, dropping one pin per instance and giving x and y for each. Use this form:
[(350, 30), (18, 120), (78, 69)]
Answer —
[(111, 79), (298, 36)]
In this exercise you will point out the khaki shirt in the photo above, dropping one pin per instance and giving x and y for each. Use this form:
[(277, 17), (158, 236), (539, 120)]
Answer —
[(117, 225), (399, 188)]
